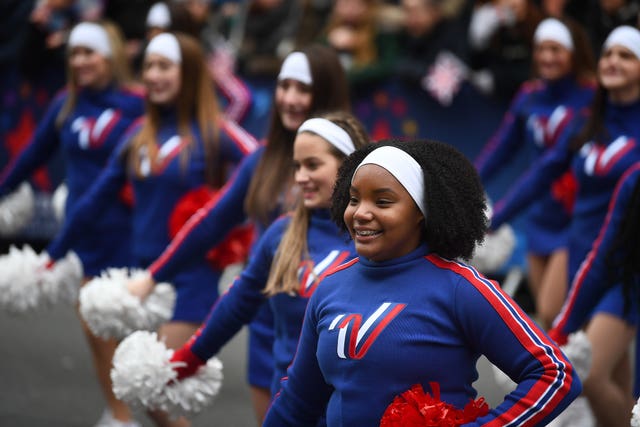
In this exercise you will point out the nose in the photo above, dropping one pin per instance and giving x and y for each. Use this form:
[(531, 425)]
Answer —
[(301, 176), (290, 95), (362, 213)]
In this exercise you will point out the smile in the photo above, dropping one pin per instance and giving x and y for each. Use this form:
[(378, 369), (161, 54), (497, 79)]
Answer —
[(367, 233)]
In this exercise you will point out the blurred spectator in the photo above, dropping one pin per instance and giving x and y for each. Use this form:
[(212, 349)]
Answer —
[(269, 29), (432, 51), (130, 16), (500, 36), (367, 49), (608, 14)]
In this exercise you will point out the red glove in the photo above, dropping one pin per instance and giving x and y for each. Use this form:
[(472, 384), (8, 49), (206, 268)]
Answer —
[(186, 356), (558, 336)]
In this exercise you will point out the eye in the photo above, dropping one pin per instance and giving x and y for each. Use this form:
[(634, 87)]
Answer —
[(353, 200)]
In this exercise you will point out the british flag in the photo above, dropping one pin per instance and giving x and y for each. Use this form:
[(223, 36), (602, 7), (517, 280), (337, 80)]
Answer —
[(444, 78)]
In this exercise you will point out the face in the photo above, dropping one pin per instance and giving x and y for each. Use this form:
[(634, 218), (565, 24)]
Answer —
[(90, 69), (553, 61), (517, 7), (611, 6), (351, 11), (293, 102), (382, 218), (162, 78), (619, 70), (420, 16), (316, 169)]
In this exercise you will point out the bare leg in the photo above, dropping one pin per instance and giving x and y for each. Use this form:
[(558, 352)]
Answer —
[(261, 398), (102, 355), (553, 288), (175, 334), (609, 394)]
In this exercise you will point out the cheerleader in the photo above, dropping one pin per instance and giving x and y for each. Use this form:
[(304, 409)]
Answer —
[(405, 314), (604, 297), (180, 146), (293, 254), (538, 114), (85, 122), (310, 81), (599, 149)]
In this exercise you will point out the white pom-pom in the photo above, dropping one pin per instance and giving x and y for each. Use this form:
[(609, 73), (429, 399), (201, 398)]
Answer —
[(578, 413), (20, 279), (492, 254), (578, 351), (141, 369), (111, 311), (16, 210), (61, 283), (635, 414), (143, 375), (193, 393), (59, 201), (27, 284)]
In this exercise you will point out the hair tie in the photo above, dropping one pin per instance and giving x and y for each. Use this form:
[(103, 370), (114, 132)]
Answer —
[(625, 36), (165, 44), (403, 167), (553, 30), (296, 67), (331, 132), (159, 16), (91, 35)]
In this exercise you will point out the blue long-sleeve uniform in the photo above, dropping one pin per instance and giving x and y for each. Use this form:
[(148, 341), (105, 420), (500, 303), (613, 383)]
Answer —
[(372, 330), (156, 195), (87, 138), (597, 167), (539, 113), (591, 286), (207, 228), (328, 248)]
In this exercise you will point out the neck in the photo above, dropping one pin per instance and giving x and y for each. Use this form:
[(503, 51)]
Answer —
[(625, 96)]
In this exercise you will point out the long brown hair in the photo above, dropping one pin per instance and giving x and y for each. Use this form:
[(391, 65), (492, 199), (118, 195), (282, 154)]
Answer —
[(293, 248), (329, 91), (118, 67), (196, 100)]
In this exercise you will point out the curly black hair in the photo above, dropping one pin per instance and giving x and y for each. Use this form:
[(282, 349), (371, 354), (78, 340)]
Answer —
[(455, 199)]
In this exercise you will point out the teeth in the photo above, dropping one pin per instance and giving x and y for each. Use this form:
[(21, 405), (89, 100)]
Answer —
[(366, 233)]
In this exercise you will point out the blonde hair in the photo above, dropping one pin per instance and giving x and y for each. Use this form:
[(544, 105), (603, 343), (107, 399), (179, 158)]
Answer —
[(196, 100), (118, 67), (293, 248)]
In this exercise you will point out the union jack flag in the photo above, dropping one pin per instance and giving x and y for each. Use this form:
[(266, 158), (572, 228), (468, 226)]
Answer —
[(444, 78)]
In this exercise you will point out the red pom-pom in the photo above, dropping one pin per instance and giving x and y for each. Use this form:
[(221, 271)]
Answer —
[(233, 249), (415, 408)]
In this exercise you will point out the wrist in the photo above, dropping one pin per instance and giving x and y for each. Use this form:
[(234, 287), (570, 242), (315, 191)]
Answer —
[(186, 363)]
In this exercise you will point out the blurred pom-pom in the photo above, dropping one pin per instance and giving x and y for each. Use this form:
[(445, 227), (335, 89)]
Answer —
[(111, 311), (29, 281), (578, 413), (59, 201), (635, 414), (144, 376), (16, 210), (578, 351), (492, 254), (414, 407), (20, 279), (233, 249)]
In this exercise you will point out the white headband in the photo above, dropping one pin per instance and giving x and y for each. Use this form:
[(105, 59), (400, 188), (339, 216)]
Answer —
[(331, 132), (553, 30), (91, 35), (296, 67), (403, 167), (626, 36), (167, 45), (159, 16)]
